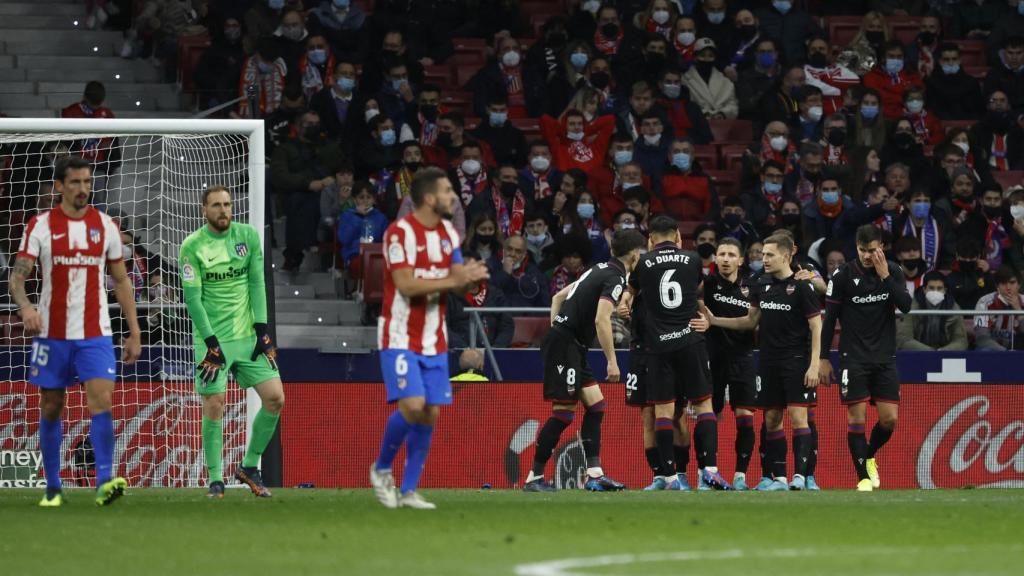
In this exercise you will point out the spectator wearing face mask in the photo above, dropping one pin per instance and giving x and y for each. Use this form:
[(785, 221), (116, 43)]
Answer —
[(335, 200), (508, 144), (469, 176), (539, 179), (651, 147), (342, 23), (582, 218), (753, 264), (952, 93), (685, 119), (968, 219), (792, 24), (1001, 332), (505, 201), (999, 137), (502, 76), (499, 328), (393, 47), (361, 224), (879, 208), (1006, 31), (930, 229), (624, 219), (291, 36), (267, 71), (742, 53), (804, 181), (923, 51), (774, 146), (733, 223), (869, 129), (1015, 199), (261, 20), (762, 201), (904, 147), (574, 255), (823, 217), (337, 102), (891, 78), (926, 126), (518, 276), (540, 242), (560, 84), (932, 333), (808, 124), (576, 144), (833, 79), (220, 65), (758, 78), (315, 68), (709, 88), (705, 241), (550, 57), (688, 193), (397, 95), (381, 152), (971, 277), (908, 254)]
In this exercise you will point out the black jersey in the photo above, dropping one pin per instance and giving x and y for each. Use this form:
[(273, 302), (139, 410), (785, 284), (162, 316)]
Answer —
[(865, 306), (669, 279), (637, 325), (576, 317), (785, 307), (727, 299)]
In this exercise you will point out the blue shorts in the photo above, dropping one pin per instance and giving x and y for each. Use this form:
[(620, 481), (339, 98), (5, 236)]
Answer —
[(408, 374), (55, 363)]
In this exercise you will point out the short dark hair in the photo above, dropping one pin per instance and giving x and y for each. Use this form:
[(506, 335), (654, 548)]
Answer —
[(893, 45), (456, 117), (704, 227), (730, 241), (906, 244), (785, 243), (425, 182), (535, 215), (934, 276), (948, 47), (1003, 275), (214, 188), (773, 164), (65, 163), (662, 225), (615, 218), (95, 92), (430, 88), (732, 202), (499, 98), (1015, 41), (968, 247), (572, 113), (638, 193), (867, 234), (625, 241)]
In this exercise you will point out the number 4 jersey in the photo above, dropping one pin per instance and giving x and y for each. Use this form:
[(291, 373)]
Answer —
[(669, 278)]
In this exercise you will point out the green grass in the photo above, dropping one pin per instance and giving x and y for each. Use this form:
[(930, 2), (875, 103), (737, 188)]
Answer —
[(180, 532)]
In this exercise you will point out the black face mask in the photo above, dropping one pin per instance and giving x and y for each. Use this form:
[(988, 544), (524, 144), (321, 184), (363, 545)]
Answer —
[(927, 38), (812, 176), (747, 31), (311, 133), (429, 112), (790, 220), (600, 80), (487, 239), (508, 189), (916, 264), (992, 211), (875, 38), (968, 266), (704, 68), (413, 166), (837, 137), (902, 140), (444, 140), (818, 60), (610, 30), (999, 121), (706, 250)]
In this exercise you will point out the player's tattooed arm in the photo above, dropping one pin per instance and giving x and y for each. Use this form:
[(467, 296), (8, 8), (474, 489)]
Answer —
[(30, 317)]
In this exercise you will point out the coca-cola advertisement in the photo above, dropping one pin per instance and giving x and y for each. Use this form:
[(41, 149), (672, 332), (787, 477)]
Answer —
[(157, 425), (948, 436)]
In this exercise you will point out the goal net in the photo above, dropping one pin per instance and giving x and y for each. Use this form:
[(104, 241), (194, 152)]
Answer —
[(149, 175)]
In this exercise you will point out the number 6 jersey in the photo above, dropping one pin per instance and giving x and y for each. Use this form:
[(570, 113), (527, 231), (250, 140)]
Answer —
[(669, 278)]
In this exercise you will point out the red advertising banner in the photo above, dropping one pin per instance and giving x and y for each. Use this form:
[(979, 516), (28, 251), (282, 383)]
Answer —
[(157, 426), (948, 436)]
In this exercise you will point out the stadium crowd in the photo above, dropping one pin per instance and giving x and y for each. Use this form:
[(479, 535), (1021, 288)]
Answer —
[(562, 122)]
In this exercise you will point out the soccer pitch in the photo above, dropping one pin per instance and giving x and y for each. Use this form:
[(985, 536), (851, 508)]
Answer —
[(181, 532)]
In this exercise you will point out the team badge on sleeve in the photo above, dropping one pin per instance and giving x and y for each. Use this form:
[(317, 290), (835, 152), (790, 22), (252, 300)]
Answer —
[(617, 292), (187, 273), (395, 251), (241, 249)]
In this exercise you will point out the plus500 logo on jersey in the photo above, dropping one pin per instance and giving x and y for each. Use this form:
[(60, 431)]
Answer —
[(731, 300), (873, 299), (231, 273), (775, 306), (77, 260)]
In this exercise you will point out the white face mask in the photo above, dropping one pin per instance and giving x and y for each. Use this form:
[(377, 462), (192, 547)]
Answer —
[(1017, 211), (540, 163), (686, 38), (934, 297), (471, 166), (779, 143), (652, 140), (963, 146), (660, 16), (510, 59), (370, 113), (815, 112)]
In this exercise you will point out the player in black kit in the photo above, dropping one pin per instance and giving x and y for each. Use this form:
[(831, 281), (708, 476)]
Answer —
[(731, 351), (578, 312), (790, 318), (677, 360), (863, 296)]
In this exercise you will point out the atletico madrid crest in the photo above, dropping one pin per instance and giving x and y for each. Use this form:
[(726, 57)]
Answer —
[(241, 249), (95, 235)]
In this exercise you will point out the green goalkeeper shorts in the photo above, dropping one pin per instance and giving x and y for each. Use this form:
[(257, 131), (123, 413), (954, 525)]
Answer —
[(237, 354)]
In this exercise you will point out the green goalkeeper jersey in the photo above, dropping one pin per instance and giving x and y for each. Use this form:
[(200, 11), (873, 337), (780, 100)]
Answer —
[(222, 279)]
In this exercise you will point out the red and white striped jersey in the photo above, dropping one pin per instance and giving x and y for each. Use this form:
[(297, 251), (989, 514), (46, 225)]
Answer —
[(72, 254), (416, 324)]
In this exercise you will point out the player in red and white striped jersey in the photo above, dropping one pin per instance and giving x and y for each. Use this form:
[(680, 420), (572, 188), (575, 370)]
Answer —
[(74, 244), (422, 263)]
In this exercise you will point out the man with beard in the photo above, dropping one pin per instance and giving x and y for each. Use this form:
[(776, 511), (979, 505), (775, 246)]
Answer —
[(222, 281), (422, 263)]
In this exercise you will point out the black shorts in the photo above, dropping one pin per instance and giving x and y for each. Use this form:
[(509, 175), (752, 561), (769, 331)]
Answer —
[(565, 367), (860, 382), (782, 384), (679, 375), (737, 374), (636, 379)]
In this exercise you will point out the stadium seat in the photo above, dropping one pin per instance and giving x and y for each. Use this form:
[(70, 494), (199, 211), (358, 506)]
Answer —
[(948, 125), (469, 45), (732, 156), (707, 155), (530, 331), (372, 257), (979, 71), (1009, 178), (904, 28), (972, 53), (190, 50), (529, 126), (457, 101), (687, 227), (683, 208), (727, 182), (841, 29), (440, 74), (464, 72), (729, 131)]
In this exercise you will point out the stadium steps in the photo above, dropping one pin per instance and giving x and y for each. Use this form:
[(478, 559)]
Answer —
[(327, 338), (312, 311)]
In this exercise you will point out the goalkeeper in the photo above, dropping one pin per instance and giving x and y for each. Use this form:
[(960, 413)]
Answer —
[(222, 277)]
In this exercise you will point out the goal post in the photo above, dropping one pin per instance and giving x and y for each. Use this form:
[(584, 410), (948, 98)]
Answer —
[(149, 174)]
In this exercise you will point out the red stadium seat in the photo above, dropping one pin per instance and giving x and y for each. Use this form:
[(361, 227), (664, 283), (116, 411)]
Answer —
[(972, 52), (727, 182), (465, 72), (978, 72), (530, 331), (440, 75), (683, 208), (707, 155), (529, 126), (732, 156), (190, 50), (948, 125), (1009, 178), (905, 28), (457, 101), (732, 131), (372, 257), (841, 29), (687, 228)]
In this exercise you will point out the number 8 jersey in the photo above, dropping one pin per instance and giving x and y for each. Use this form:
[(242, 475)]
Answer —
[(669, 278), (604, 281)]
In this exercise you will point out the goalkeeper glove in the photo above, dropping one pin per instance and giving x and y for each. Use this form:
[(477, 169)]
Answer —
[(264, 345), (213, 362)]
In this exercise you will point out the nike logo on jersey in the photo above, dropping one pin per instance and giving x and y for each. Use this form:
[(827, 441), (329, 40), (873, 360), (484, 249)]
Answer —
[(58, 236), (421, 248)]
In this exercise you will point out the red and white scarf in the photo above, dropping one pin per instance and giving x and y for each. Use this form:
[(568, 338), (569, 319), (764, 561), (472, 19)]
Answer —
[(655, 28), (784, 158), (996, 242), (925, 61), (510, 224), (608, 47), (313, 78), (920, 126), (477, 300), (541, 187), (834, 155), (270, 86), (469, 187), (998, 160)]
